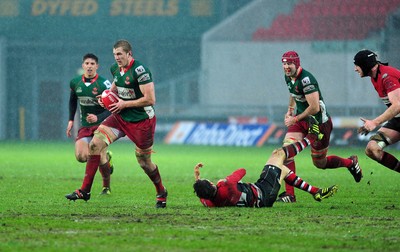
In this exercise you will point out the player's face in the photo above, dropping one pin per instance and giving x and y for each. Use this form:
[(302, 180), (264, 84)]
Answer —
[(359, 70), (289, 68), (121, 57), (90, 67)]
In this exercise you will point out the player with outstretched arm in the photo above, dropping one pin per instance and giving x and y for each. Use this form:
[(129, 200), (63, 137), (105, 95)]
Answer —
[(385, 80), (231, 191)]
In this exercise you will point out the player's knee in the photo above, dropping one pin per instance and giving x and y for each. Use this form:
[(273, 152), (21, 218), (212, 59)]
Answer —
[(373, 150), (143, 157), (320, 164), (81, 158), (319, 159), (96, 145)]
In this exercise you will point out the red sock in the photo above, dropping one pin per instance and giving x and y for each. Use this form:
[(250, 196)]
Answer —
[(288, 188), (390, 161), (156, 178), (335, 162), (105, 173), (91, 168), (296, 181)]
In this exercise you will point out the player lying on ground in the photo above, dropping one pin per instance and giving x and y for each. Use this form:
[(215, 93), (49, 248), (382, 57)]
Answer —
[(231, 191)]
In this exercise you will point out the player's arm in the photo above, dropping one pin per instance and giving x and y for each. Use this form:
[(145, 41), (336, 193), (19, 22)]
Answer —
[(197, 171), (148, 99), (291, 107), (73, 105), (313, 106), (207, 203), (103, 115), (393, 110), (236, 175), (390, 112)]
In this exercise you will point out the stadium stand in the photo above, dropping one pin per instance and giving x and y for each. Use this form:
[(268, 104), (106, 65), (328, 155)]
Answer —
[(329, 20)]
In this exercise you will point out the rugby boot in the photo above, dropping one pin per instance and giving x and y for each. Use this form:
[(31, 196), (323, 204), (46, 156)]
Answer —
[(355, 169), (77, 195), (325, 193)]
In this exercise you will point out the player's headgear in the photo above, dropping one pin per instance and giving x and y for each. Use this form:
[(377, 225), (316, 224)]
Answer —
[(291, 57), (366, 60)]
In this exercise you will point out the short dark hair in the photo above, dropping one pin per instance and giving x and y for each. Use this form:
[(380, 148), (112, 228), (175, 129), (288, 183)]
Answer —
[(204, 189), (90, 56)]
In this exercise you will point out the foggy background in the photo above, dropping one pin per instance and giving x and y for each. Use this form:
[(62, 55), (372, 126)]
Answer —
[(210, 59)]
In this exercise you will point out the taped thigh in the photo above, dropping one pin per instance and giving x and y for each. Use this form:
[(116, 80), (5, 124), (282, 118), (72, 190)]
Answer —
[(103, 135), (144, 153), (380, 139)]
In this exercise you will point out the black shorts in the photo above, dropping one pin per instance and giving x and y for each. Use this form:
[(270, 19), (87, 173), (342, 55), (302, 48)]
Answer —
[(393, 124), (269, 185)]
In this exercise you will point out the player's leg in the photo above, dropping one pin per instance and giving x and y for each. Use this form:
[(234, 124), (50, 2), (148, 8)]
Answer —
[(85, 135), (313, 135), (376, 145), (105, 171), (318, 193), (288, 196), (103, 136), (270, 180), (143, 157), (82, 149), (319, 151), (142, 134)]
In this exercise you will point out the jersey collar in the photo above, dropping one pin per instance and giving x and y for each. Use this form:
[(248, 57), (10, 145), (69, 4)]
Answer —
[(93, 80), (128, 67)]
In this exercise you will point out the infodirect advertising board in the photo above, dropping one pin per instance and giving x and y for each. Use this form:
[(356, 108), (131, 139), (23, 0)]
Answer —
[(219, 134)]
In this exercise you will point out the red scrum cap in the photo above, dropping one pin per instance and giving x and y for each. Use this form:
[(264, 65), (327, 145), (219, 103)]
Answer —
[(291, 57)]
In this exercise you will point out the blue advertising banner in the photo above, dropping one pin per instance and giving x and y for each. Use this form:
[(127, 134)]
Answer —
[(219, 134)]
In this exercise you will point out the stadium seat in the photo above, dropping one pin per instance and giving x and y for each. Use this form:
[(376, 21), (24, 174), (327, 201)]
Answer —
[(329, 20)]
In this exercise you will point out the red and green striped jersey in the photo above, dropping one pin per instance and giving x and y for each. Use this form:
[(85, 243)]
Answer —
[(128, 85)]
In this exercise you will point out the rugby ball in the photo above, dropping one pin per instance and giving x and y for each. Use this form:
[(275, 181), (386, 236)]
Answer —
[(109, 97)]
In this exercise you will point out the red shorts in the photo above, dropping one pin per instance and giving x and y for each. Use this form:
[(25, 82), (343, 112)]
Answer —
[(141, 133), (86, 132), (325, 128)]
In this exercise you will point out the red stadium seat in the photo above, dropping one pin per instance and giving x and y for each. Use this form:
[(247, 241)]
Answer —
[(329, 20)]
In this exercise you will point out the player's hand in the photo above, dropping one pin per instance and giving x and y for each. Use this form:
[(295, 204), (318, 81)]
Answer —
[(69, 128), (115, 108), (91, 118), (362, 131), (369, 125), (290, 120), (197, 171)]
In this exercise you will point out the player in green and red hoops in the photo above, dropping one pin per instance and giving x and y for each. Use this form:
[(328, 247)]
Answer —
[(306, 100), (132, 116), (84, 89)]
